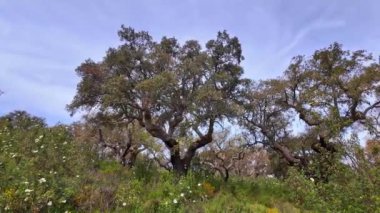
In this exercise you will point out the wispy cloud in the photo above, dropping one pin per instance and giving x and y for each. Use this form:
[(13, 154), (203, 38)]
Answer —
[(313, 27)]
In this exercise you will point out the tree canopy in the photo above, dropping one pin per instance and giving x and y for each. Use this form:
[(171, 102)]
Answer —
[(174, 91)]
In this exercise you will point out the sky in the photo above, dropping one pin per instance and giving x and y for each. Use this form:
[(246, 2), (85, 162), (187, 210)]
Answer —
[(43, 41)]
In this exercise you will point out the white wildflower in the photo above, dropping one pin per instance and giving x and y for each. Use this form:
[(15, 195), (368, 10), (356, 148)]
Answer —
[(175, 201), (64, 143), (77, 176), (63, 201), (42, 146), (312, 179), (28, 190), (182, 194), (124, 203), (199, 184), (7, 208), (64, 157), (25, 182), (35, 151), (42, 180), (50, 203)]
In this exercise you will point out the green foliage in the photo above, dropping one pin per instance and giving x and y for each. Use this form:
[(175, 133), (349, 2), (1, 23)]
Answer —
[(346, 191), (40, 167), (44, 169)]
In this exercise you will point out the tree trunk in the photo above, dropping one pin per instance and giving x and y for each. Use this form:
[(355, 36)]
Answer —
[(226, 175), (181, 165)]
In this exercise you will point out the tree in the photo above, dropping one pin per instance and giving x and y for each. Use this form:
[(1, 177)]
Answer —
[(174, 91), (229, 155), (120, 142), (266, 121), (22, 120), (372, 151), (330, 92)]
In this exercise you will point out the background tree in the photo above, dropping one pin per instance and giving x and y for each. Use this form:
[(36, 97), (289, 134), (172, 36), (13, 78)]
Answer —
[(172, 90), (229, 156), (22, 120), (330, 92), (372, 151), (266, 121), (121, 142)]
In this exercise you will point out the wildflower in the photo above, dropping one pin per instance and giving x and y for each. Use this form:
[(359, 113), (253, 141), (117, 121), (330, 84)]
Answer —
[(34, 151), (312, 179), (190, 191), (50, 203), (124, 203), (7, 208), (26, 199), (175, 201), (270, 176), (63, 201), (28, 190), (193, 201), (199, 184), (42, 180), (26, 182), (42, 146), (182, 194), (77, 176), (64, 143), (13, 155), (64, 157)]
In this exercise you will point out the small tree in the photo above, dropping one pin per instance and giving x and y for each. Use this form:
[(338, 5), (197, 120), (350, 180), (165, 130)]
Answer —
[(120, 142), (174, 91), (230, 155)]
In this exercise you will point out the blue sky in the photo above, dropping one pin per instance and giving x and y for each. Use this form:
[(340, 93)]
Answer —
[(42, 42)]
